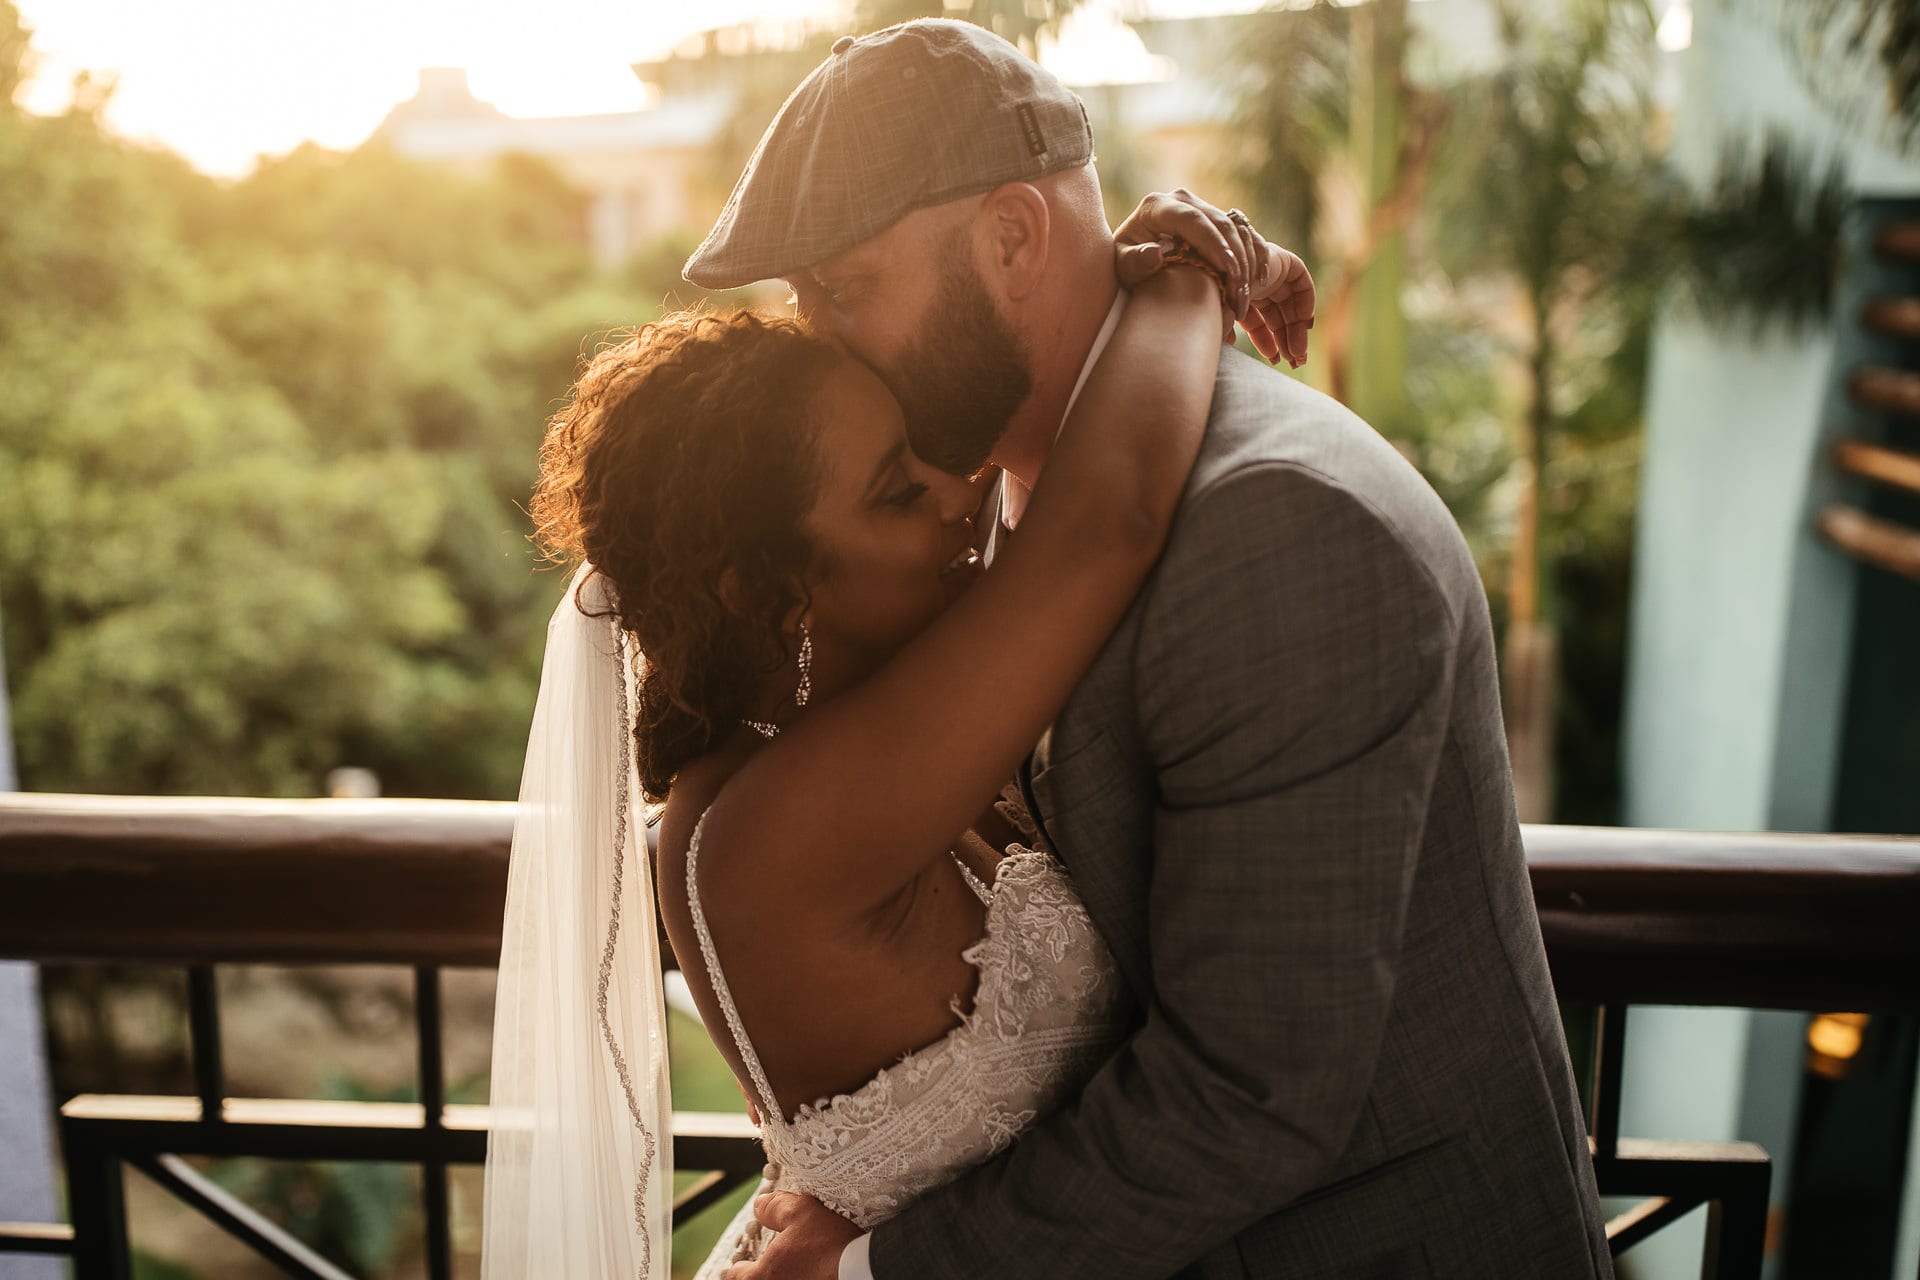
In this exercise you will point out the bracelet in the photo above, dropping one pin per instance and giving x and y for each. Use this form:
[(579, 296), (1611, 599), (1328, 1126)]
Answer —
[(1184, 255)]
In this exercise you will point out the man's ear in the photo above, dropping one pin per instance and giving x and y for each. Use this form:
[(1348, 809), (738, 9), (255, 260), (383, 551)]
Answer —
[(1014, 223)]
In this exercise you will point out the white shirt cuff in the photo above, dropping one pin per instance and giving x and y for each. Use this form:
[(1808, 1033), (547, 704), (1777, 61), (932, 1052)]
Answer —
[(853, 1259)]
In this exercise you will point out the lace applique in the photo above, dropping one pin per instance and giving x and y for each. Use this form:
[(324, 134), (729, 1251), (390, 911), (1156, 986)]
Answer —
[(1046, 1013), (1012, 806), (1043, 1019)]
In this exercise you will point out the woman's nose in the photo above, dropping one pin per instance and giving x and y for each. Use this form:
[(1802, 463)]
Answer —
[(809, 302)]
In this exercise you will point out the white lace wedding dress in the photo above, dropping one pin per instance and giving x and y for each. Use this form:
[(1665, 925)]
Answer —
[(1045, 1015)]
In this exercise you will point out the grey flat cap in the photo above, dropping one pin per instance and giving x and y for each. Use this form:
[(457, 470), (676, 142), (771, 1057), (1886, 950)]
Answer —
[(911, 116)]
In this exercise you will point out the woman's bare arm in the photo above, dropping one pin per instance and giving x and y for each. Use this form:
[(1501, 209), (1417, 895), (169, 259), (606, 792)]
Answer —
[(860, 794)]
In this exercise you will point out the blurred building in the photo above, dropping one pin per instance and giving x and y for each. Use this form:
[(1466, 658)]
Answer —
[(1165, 94), (1161, 102), (642, 170)]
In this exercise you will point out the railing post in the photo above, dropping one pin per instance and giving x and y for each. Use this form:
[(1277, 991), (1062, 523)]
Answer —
[(1609, 1067), (96, 1200), (1736, 1242), (203, 1025), (433, 1099)]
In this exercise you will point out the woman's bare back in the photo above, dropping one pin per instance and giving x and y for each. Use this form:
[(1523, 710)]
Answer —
[(828, 1003)]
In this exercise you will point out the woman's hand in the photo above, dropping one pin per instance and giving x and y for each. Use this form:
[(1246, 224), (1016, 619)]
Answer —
[(1270, 288)]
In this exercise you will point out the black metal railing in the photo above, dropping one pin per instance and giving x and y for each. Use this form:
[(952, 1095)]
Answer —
[(1629, 916)]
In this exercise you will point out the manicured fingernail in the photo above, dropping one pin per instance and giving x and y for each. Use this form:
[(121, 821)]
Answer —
[(1309, 322)]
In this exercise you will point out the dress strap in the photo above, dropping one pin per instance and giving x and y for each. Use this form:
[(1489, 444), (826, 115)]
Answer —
[(769, 1106), (981, 889)]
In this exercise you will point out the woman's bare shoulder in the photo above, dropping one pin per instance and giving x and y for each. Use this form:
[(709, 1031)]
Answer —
[(698, 784)]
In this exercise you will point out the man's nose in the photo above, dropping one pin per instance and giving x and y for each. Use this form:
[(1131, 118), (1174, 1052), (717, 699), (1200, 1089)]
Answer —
[(957, 498)]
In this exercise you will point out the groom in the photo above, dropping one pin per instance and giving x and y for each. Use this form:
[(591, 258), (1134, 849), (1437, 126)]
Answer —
[(1282, 788)]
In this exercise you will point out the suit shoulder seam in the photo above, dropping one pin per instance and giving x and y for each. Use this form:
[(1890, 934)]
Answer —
[(1257, 465)]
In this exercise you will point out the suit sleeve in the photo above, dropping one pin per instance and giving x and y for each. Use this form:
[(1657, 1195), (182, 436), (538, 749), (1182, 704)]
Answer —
[(1294, 669)]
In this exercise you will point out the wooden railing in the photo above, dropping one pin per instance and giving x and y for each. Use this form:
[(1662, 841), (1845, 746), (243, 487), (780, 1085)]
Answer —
[(1629, 916)]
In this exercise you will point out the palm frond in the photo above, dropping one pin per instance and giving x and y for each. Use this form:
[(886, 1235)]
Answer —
[(1835, 40), (1763, 246)]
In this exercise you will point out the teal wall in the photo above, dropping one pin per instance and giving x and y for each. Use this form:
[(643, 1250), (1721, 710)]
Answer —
[(1741, 630)]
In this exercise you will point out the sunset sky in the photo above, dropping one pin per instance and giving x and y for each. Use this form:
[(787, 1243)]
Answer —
[(223, 81)]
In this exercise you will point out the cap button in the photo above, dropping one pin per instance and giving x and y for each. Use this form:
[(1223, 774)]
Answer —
[(841, 45)]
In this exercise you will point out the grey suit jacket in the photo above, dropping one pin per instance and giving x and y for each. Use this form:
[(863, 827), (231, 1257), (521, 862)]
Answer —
[(1283, 792)]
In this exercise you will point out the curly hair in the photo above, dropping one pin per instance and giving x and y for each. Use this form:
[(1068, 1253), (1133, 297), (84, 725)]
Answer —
[(682, 469)]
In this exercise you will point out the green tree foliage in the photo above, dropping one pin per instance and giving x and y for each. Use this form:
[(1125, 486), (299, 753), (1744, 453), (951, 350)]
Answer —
[(1293, 113), (361, 1213), (1532, 204), (261, 450), (1550, 192), (1548, 184), (14, 59)]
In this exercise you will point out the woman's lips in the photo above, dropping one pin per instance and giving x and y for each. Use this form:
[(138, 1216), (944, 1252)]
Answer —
[(962, 570)]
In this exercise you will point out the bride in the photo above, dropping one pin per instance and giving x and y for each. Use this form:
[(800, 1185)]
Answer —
[(780, 631)]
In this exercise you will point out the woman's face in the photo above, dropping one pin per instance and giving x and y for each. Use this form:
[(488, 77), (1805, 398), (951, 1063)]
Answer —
[(893, 535)]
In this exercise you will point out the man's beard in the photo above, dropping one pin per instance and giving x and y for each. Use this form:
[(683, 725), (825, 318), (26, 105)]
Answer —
[(962, 382)]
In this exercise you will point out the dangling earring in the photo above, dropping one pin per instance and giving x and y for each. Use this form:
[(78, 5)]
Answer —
[(802, 694), (805, 689)]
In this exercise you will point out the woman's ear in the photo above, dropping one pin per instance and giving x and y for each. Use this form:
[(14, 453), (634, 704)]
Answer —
[(734, 598), (1015, 223)]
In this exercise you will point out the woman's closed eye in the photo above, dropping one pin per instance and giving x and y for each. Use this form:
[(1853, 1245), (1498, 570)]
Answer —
[(905, 496)]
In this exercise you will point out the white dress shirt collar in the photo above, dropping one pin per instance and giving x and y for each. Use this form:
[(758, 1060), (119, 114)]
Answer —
[(1014, 494)]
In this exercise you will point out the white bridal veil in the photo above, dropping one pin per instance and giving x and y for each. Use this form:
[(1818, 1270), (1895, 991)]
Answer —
[(579, 1180)]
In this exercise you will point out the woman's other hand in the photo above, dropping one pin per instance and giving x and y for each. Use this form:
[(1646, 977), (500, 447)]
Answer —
[(1282, 309), (1269, 288)]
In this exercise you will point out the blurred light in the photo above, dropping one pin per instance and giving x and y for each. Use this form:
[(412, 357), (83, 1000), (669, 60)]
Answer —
[(225, 81), (1676, 28), (1095, 47), (1832, 1041), (352, 783)]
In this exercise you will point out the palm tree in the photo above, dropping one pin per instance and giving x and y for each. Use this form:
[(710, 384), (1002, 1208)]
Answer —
[(1340, 149), (1549, 180)]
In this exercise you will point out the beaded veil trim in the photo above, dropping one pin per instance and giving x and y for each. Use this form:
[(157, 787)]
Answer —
[(621, 822)]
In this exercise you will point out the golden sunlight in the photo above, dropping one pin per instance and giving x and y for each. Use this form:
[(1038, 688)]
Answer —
[(226, 81)]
